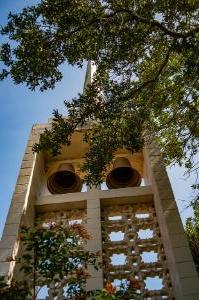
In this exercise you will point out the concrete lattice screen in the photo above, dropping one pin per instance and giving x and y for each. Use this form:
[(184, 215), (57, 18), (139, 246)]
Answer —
[(133, 251), (132, 248)]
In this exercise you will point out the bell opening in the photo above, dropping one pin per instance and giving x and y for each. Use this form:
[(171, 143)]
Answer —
[(64, 179), (122, 175), (63, 182)]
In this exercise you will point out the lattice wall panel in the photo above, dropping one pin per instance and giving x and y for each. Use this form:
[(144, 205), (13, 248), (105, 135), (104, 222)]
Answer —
[(63, 217), (133, 251)]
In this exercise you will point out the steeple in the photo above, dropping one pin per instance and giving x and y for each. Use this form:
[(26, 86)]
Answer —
[(90, 71)]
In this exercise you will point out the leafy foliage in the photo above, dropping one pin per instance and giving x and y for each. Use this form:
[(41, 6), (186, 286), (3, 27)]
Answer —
[(192, 231), (110, 292), (57, 255), (15, 291), (53, 256), (146, 83)]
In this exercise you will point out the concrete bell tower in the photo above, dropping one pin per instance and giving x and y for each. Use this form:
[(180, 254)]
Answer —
[(132, 217)]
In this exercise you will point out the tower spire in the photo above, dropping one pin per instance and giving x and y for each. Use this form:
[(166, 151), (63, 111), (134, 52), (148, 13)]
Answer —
[(90, 71)]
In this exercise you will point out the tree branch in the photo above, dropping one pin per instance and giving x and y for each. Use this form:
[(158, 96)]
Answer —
[(155, 23), (152, 80)]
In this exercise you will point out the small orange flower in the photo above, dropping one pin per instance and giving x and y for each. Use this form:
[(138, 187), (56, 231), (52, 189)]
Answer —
[(110, 288)]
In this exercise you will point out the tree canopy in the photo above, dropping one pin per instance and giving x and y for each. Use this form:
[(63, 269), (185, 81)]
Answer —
[(192, 231), (146, 84)]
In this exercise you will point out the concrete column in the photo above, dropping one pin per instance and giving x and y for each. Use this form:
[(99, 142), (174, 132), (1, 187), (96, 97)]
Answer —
[(95, 244), (182, 271), (22, 205)]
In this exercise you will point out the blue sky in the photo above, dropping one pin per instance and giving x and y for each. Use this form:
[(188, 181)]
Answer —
[(21, 108)]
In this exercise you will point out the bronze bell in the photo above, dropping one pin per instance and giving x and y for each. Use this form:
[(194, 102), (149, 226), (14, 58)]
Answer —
[(122, 175), (65, 180)]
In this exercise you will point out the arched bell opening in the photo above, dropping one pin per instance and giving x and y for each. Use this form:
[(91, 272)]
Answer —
[(64, 180), (123, 175)]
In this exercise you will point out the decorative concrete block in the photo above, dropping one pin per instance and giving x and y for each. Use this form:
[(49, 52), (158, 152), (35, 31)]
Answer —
[(190, 286), (93, 203), (6, 254), (10, 229), (21, 188), (93, 272), (174, 227), (17, 207), (26, 164), (178, 240), (94, 245), (172, 215), (29, 150), (28, 157), (25, 172), (93, 213), (95, 232), (167, 203), (191, 297), (94, 223), (94, 283), (13, 217), (4, 268), (182, 254), (186, 269), (33, 140), (23, 179), (18, 198), (7, 242)]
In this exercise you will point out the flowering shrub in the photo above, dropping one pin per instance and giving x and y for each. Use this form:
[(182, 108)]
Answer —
[(126, 290), (54, 254)]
